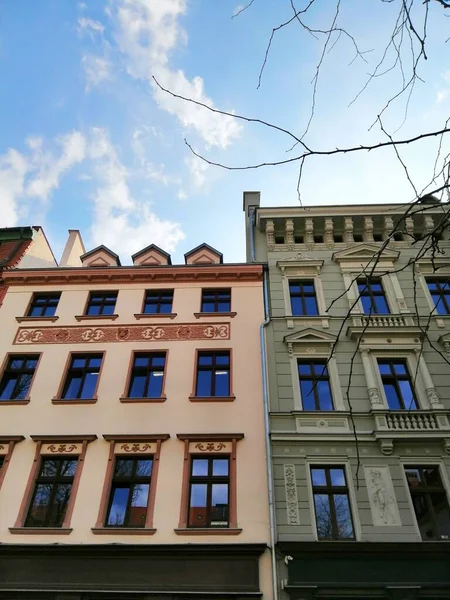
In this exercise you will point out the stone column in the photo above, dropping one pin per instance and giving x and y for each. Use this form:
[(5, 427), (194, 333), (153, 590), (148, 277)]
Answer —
[(432, 396), (372, 387)]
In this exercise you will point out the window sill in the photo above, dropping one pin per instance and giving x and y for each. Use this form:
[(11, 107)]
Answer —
[(155, 315), (95, 317), (40, 319), (212, 398), (207, 531), (74, 401), (40, 530), (127, 400), (15, 402), (214, 314), (122, 531)]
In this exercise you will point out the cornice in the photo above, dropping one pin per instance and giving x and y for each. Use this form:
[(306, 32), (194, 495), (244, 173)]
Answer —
[(133, 274)]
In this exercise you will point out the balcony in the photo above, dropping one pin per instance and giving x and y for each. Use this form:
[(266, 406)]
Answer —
[(400, 323)]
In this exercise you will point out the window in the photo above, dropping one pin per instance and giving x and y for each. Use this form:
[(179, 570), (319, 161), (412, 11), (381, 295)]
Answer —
[(101, 303), (430, 502), (397, 384), (16, 380), (357, 237), (82, 376), (338, 238), (279, 239), (129, 492), (2, 460), (218, 300), (52, 492), (303, 298), (331, 503), (315, 385), (298, 239), (213, 374), (377, 237), (440, 292), (158, 302), (44, 305), (372, 297), (147, 375), (209, 492)]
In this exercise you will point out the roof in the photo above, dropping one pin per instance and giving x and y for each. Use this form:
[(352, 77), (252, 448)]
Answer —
[(105, 249), (207, 247), (152, 247), (12, 251)]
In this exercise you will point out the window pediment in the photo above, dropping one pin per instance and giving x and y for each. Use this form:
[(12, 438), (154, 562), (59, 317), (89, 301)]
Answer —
[(438, 265), (100, 257), (361, 254), (151, 256), (203, 254), (310, 341), (300, 265)]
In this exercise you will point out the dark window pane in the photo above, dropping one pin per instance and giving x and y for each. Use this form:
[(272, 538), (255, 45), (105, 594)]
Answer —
[(367, 305), (220, 467), (323, 516), (222, 359), (141, 361), (165, 308), (222, 383), (385, 369), (308, 400), (137, 386), (79, 362), (324, 392), (158, 361), (208, 307), (49, 468), (117, 512), (155, 385), (7, 387), (90, 382), (95, 362), (199, 467), (400, 369), (108, 309), (381, 305), (204, 359), (198, 505), (318, 477), (320, 369), (219, 505), (392, 397), (204, 383), (343, 516), (407, 395), (224, 307), (304, 369), (58, 508), (93, 309), (138, 508), (144, 468), (73, 387), (441, 514), (311, 306), (38, 510), (69, 467), (337, 477), (124, 467)]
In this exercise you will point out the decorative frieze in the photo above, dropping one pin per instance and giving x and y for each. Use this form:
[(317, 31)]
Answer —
[(383, 504), (290, 486), (114, 333), (56, 448), (135, 448), (210, 446)]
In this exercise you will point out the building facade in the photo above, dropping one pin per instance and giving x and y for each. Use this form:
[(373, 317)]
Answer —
[(132, 443), (358, 364)]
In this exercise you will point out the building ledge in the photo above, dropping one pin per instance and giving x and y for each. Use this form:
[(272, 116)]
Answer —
[(40, 530), (155, 315), (74, 400), (199, 315), (212, 398), (39, 319), (207, 531), (122, 531), (96, 317), (15, 402), (127, 400)]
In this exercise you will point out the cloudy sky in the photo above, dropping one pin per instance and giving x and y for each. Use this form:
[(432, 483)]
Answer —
[(87, 140)]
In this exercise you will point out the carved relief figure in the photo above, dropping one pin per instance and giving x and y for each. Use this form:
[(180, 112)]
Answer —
[(382, 499)]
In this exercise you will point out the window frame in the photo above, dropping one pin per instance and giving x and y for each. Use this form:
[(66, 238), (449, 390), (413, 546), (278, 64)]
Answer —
[(439, 268), (7, 443), (370, 293), (413, 367), (302, 295), (59, 399), (123, 446), (209, 480), (3, 369), (70, 446), (210, 398), (424, 462), (104, 303), (129, 399), (216, 291), (443, 299), (35, 295), (159, 303), (217, 444), (315, 379), (394, 379), (333, 463)]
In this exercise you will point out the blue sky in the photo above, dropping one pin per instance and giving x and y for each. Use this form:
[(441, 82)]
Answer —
[(88, 142)]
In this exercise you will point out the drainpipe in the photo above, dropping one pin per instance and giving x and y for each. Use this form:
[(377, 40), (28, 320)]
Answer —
[(262, 337)]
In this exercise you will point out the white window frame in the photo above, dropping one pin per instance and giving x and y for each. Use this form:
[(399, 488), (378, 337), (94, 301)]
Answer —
[(303, 269), (419, 463), (351, 492), (413, 368), (423, 269)]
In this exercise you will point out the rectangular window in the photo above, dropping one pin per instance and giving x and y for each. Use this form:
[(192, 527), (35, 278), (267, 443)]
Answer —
[(209, 492), (430, 502), (101, 303), (303, 298), (147, 374), (82, 376), (315, 385), (158, 302), (397, 384), (52, 492), (218, 300), (129, 492), (44, 305), (332, 503), (373, 297), (440, 292), (16, 380), (213, 374)]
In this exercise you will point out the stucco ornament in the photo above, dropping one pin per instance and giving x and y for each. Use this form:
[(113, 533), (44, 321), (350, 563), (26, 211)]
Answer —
[(290, 486), (432, 396), (210, 447), (374, 396), (382, 500), (62, 448)]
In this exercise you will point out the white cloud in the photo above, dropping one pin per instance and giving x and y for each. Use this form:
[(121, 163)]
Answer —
[(121, 222), (182, 195), (50, 169), (96, 69), (13, 168), (197, 168), (90, 26), (148, 32)]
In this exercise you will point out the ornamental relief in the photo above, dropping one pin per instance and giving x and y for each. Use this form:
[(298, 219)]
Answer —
[(3, 449), (290, 487), (383, 503), (207, 447), (113, 333), (135, 448), (56, 448)]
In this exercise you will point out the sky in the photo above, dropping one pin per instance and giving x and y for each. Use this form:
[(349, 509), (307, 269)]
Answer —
[(88, 141)]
